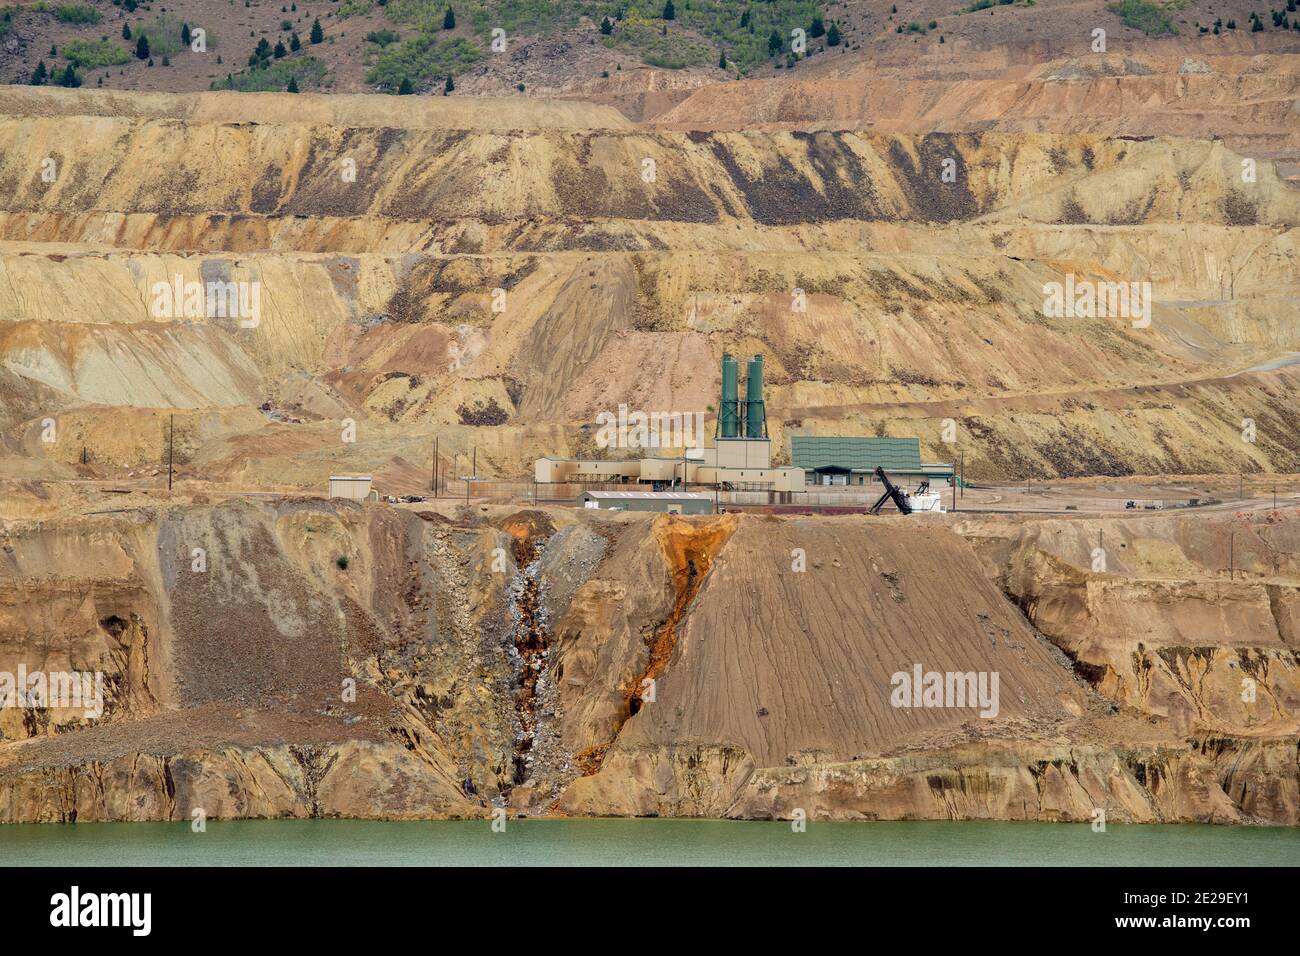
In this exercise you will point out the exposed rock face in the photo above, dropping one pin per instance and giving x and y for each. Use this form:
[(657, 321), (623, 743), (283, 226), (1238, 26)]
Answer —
[(563, 662), (380, 300), (1172, 626)]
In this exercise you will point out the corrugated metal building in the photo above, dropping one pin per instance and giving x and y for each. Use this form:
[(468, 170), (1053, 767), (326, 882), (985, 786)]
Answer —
[(671, 502), (851, 460)]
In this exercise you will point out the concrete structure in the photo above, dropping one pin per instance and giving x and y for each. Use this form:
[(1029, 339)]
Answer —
[(752, 470), (556, 470), (355, 487), (853, 460), (671, 502)]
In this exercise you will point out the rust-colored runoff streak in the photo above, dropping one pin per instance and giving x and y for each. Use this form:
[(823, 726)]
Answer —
[(689, 550), (530, 636)]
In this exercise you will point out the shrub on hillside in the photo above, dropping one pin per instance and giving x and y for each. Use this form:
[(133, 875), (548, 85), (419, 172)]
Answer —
[(1143, 15), (89, 54)]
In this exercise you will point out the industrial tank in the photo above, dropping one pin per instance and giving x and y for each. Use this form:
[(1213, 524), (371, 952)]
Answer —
[(729, 413), (754, 416)]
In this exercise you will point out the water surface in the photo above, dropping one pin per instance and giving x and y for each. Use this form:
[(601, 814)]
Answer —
[(641, 842)]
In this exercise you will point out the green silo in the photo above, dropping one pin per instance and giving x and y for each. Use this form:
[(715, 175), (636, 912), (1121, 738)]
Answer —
[(729, 413), (755, 415)]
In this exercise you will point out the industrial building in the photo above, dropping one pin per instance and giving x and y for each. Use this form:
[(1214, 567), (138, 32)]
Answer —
[(740, 458), (354, 487), (670, 502), (830, 460)]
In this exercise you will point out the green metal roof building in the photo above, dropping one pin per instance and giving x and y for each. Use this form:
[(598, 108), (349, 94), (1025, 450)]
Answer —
[(853, 460)]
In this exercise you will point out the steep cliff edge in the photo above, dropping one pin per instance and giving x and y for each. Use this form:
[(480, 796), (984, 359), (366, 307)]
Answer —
[(291, 657)]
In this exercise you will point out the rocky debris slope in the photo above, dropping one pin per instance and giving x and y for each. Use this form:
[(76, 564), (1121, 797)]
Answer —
[(499, 283), (342, 660)]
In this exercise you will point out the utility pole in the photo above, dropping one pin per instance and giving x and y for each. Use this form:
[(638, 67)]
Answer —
[(1232, 548), (435, 467), (171, 442), (962, 478)]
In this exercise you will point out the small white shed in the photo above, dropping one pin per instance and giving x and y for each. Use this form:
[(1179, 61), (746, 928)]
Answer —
[(355, 487)]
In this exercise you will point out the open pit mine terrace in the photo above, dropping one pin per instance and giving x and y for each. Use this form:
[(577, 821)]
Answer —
[(271, 652)]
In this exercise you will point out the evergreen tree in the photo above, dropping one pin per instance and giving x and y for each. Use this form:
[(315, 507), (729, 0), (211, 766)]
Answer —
[(280, 51), (142, 47), (294, 43), (448, 86), (317, 34), (833, 36), (404, 88), (126, 31), (817, 28), (774, 44), (292, 87), (744, 18), (670, 12), (185, 34), (69, 77), (606, 27), (39, 74), (722, 60), (449, 19)]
